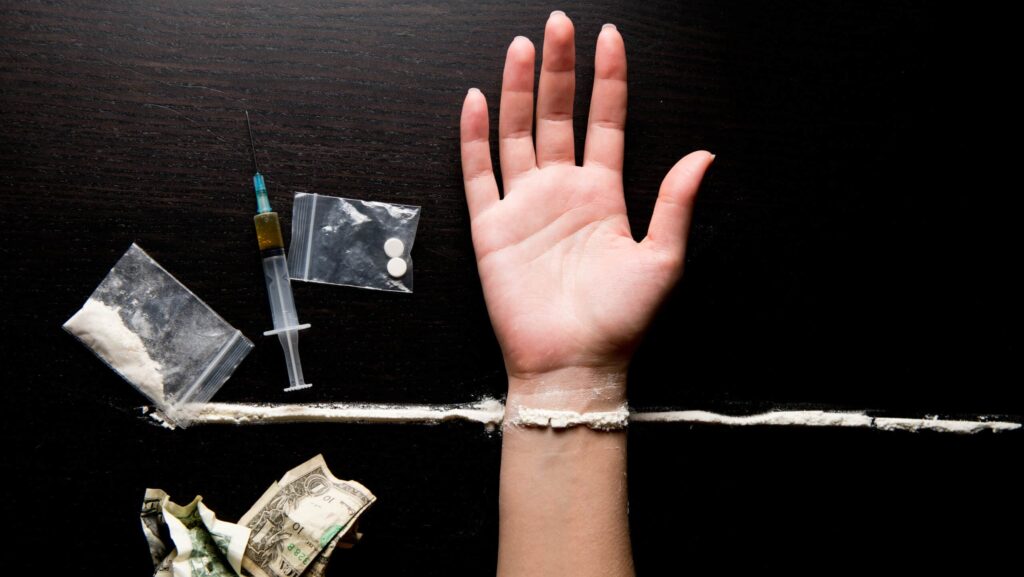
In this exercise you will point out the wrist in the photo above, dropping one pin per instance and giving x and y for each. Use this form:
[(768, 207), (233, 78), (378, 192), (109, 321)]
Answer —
[(580, 389)]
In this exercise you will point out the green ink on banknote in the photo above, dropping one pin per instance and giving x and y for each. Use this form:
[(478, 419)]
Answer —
[(331, 532)]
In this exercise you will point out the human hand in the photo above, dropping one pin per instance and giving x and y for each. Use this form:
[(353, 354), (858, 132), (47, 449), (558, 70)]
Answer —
[(568, 289)]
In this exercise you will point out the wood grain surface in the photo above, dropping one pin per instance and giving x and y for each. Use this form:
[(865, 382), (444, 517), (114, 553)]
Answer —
[(853, 247)]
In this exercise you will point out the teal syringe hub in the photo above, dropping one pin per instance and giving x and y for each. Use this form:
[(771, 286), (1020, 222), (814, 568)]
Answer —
[(262, 202)]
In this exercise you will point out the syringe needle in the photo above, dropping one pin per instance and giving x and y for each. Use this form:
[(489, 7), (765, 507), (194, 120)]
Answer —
[(252, 144)]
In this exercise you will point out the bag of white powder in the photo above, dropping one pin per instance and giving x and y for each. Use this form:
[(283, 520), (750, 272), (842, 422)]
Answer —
[(159, 336)]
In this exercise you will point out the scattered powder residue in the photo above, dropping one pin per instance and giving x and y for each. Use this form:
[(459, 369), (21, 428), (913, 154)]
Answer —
[(491, 413), (601, 420), (100, 327), (159, 418)]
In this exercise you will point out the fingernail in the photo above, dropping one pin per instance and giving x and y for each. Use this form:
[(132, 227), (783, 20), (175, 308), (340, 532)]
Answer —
[(474, 90), (520, 38), (713, 157), (556, 13), (609, 25)]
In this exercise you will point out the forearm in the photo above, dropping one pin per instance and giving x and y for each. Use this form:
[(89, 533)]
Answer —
[(563, 492)]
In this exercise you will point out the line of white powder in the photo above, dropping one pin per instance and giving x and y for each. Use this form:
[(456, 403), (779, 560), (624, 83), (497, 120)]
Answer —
[(827, 419), (488, 411), (491, 413)]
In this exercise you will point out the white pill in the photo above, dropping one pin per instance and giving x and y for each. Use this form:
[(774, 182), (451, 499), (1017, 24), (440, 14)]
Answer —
[(394, 247), (397, 267)]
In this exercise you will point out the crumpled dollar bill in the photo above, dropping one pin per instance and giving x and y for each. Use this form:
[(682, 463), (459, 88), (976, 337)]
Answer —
[(291, 531), (203, 544), (300, 520)]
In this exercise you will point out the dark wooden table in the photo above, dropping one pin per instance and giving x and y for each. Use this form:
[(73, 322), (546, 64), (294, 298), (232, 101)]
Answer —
[(853, 247)]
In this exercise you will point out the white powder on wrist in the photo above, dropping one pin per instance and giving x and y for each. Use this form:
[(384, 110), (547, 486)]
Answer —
[(599, 420)]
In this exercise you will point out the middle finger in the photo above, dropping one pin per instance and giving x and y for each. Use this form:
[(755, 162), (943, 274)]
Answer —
[(555, 95)]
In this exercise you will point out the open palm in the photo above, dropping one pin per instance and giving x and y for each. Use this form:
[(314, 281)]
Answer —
[(566, 284)]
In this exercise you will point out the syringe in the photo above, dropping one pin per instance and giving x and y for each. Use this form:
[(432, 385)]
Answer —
[(275, 270)]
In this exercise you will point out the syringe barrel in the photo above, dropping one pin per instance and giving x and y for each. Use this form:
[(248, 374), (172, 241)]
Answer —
[(279, 291), (275, 269)]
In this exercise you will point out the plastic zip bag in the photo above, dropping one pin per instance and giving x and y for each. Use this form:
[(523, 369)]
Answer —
[(158, 335), (342, 241)]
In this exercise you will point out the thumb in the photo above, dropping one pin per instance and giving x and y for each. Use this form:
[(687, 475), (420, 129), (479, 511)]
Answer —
[(670, 223)]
